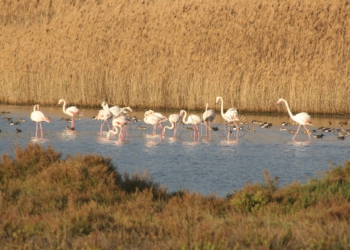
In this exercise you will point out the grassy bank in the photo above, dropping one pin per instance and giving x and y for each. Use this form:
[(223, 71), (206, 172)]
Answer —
[(81, 202), (177, 54)]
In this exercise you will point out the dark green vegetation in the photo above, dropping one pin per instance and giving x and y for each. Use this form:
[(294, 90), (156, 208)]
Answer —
[(81, 202)]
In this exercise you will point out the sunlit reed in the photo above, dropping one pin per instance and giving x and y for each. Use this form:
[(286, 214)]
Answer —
[(177, 54)]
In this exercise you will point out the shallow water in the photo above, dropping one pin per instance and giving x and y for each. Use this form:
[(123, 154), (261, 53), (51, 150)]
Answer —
[(209, 166)]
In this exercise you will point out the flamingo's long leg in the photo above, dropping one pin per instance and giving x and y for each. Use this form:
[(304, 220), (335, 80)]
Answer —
[(237, 129), (36, 129), (41, 130), (297, 131), (307, 131)]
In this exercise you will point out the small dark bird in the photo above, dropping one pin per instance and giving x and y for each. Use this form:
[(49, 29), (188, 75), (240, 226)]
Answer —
[(134, 119), (67, 119), (319, 136), (70, 129), (18, 130), (341, 137), (214, 128), (266, 125)]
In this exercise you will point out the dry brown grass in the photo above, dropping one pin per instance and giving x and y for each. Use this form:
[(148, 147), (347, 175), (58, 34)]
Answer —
[(177, 54), (81, 202)]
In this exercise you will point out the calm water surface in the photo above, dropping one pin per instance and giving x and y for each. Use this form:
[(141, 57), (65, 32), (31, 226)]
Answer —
[(208, 166)]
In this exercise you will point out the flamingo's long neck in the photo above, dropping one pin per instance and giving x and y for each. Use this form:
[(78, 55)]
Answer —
[(184, 117), (112, 131), (105, 106), (64, 107), (169, 127), (288, 109), (222, 107)]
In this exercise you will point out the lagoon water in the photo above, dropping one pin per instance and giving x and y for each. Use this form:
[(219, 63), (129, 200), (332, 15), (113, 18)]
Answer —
[(208, 166)]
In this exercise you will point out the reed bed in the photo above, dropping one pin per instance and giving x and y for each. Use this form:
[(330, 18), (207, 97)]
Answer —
[(169, 54), (82, 202)]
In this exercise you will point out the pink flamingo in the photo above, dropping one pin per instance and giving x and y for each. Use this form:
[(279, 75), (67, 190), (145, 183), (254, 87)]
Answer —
[(192, 119), (302, 118), (208, 116), (162, 117), (37, 116), (230, 116), (115, 131), (104, 115), (121, 120), (152, 120), (71, 111), (173, 119)]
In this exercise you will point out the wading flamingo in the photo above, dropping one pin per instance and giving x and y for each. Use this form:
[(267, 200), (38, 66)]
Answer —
[(37, 116), (230, 116), (192, 119), (71, 111), (162, 117), (115, 131), (173, 119), (153, 120), (120, 121), (302, 118), (208, 117), (116, 110), (104, 115)]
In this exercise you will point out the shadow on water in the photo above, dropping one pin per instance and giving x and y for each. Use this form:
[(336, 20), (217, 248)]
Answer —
[(206, 165)]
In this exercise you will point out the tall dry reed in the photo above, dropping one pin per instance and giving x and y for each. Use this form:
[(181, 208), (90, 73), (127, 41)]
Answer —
[(177, 54)]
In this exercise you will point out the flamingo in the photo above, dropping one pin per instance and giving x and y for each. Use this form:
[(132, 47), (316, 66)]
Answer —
[(152, 119), (162, 117), (173, 119), (115, 110), (302, 118), (71, 111), (208, 116), (231, 115), (37, 116), (192, 119), (115, 131), (121, 120), (104, 115)]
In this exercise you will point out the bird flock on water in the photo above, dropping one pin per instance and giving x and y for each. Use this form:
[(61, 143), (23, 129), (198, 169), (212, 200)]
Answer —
[(234, 122)]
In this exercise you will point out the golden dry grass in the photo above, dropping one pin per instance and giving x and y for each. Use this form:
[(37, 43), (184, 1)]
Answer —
[(177, 54)]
